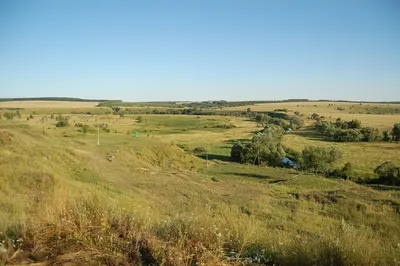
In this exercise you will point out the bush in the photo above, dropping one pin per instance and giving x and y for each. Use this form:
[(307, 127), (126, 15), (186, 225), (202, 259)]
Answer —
[(236, 152), (388, 173), (62, 123), (199, 150), (396, 132), (347, 172), (139, 119), (386, 136), (371, 134), (296, 122), (319, 159)]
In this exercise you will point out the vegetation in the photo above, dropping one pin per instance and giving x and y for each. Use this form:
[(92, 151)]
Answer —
[(352, 131), (388, 173), (149, 200)]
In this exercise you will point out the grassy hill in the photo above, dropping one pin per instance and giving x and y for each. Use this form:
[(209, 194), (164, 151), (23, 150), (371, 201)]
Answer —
[(148, 200)]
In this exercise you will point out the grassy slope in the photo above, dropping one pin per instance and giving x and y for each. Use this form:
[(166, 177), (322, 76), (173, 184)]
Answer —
[(67, 202)]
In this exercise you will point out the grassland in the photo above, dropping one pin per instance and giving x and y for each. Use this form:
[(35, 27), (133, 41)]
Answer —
[(145, 200)]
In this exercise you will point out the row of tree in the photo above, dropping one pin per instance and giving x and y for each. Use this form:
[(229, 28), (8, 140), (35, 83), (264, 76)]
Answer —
[(352, 131)]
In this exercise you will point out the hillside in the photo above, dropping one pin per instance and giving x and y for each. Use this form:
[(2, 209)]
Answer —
[(145, 200)]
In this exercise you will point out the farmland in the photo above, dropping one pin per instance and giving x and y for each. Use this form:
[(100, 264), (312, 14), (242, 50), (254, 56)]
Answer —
[(143, 197)]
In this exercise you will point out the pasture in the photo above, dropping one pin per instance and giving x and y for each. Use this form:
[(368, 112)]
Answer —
[(148, 199)]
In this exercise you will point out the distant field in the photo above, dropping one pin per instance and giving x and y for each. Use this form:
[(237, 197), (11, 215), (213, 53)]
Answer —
[(46, 104), (366, 113), (325, 108)]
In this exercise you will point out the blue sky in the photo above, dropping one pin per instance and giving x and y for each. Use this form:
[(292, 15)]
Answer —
[(201, 50)]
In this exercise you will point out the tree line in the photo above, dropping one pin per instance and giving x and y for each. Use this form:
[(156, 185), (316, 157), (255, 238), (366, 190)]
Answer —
[(353, 131)]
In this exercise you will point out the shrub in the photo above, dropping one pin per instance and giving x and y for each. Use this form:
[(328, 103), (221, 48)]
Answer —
[(386, 135), (236, 152), (388, 173), (347, 172), (319, 159), (62, 121), (139, 119), (396, 132), (199, 150), (371, 134), (296, 122)]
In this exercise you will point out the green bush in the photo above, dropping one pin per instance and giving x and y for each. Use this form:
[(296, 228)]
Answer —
[(319, 159), (236, 152), (199, 150), (388, 173), (296, 122), (63, 123)]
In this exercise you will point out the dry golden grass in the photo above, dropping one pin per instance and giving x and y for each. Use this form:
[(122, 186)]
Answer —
[(46, 104)]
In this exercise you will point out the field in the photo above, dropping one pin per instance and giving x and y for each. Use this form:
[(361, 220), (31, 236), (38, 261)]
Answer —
[(142, 197)]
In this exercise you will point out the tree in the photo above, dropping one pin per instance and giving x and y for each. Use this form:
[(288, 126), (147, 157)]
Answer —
[(318, 159), (396, 132), (265, 147), (249, 110)]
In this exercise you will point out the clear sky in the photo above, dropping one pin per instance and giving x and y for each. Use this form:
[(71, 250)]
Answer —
[(201, 50)]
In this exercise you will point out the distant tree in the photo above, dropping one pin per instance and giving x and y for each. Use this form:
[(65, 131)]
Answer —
[(249, 110), (396, 132), (319, 159)]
